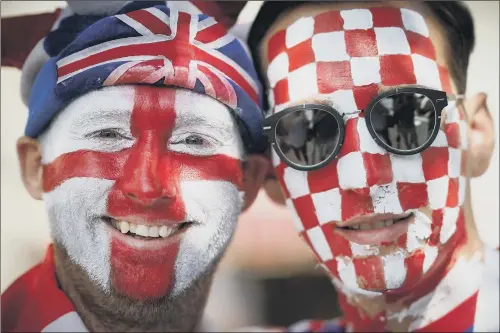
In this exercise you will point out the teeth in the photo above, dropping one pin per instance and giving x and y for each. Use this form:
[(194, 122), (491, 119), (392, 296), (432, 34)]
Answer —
[(164, 231), (365, 226), (124, 227), (377, 225), (144, 230), (372, 226), (153, 231)]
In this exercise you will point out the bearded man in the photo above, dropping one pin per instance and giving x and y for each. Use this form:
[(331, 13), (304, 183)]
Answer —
[(143, 123)]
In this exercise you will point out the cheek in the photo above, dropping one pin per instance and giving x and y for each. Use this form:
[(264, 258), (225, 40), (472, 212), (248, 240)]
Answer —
[(73, 209)]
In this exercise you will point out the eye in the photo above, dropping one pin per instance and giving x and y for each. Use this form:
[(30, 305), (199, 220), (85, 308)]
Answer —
[(107, 134), (195, 140), (195, 144)]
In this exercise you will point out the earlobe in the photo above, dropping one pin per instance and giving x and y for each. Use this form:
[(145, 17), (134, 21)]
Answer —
[(30, 163), (254, 173), (481, 136)]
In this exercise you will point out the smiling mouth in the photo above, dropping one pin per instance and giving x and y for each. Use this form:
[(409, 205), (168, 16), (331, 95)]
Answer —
[(370, 225), (375, 230), (146, 232)]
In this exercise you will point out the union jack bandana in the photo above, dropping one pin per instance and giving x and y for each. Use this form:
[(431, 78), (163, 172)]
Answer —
[(146, 43)]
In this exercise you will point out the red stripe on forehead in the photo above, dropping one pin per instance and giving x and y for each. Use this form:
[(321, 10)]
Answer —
[(154, 109)]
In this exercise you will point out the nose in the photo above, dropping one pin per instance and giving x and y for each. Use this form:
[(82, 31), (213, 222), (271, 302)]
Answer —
[(140, 182)]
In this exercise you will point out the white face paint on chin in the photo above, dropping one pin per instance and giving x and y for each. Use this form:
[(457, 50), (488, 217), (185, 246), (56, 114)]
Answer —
[(85, 177)]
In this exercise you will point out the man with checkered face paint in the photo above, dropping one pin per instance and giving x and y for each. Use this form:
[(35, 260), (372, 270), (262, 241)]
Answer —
[(383, 196), (144, 120)]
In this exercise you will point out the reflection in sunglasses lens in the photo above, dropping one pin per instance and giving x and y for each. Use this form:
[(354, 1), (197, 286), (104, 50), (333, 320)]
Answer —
[(307, 137), (404, 121)]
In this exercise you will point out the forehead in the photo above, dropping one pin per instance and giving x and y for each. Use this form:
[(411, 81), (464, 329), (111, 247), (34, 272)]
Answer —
[(289, 17), (361, 50), (118, 103)]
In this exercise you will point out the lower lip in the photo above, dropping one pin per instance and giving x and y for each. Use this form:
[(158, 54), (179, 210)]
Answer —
[(377, 236), (147, 244)]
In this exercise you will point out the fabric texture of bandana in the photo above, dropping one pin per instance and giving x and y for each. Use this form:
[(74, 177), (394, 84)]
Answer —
[(145, 43)]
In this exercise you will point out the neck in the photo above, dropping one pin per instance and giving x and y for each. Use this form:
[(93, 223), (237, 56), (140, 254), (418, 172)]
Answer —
[(432, 298), (101, 311)]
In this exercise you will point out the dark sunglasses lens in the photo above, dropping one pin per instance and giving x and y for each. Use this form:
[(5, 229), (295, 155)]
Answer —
[(404, 121), (307, 137)]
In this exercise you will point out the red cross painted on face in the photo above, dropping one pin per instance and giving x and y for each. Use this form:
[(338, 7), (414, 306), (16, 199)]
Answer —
[(147, 188)]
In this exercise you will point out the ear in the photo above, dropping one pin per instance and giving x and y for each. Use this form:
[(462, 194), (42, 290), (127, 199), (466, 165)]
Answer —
[(481, 135), (272, 185), (30, 162), (274, 192), (254, 173)]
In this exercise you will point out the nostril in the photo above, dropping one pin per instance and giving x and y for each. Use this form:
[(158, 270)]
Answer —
[(147, 199)]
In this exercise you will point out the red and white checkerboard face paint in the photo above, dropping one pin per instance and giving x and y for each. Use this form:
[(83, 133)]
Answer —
[(344, 58), (89, 176)]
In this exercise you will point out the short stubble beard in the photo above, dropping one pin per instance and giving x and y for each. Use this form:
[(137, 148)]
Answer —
[(101, 311)]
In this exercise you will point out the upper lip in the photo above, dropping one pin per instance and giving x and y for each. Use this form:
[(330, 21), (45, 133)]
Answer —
[(372, 218), (145, 221)]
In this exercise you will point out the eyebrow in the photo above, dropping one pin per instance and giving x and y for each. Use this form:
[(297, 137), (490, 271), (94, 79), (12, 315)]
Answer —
[(98, 115), (197, 120)]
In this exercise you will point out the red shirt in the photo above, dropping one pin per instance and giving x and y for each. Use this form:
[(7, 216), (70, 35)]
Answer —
[(34, 302)]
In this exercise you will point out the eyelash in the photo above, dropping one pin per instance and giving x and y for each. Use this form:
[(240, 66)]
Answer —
[(100, 134), (201, 144), (184, 138)]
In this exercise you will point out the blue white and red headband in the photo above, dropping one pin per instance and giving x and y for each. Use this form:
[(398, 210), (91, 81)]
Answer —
[(145, 43)]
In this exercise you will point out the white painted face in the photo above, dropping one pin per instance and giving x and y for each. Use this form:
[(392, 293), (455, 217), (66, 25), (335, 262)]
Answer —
[(162, 165), (344, 59)]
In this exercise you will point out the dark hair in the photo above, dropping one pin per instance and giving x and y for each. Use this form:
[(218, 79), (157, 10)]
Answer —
[(454, 17)]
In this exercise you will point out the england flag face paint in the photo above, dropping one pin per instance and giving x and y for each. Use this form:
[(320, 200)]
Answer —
[(143, 186), (345, 58)]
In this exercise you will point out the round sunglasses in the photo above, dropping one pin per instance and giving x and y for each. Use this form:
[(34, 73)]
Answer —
[(403, 121)]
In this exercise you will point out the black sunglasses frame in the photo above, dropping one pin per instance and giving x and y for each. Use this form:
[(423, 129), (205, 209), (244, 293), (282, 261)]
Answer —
[(438, 98), (269, 129)]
